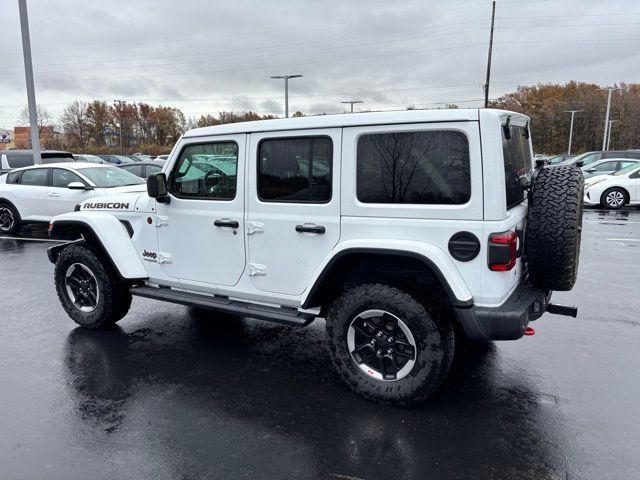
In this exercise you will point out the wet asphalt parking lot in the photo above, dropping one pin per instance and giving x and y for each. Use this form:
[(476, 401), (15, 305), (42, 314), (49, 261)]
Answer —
[(169, 394)]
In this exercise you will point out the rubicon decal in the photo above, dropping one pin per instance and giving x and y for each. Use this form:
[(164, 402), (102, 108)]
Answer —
[(106, 206)]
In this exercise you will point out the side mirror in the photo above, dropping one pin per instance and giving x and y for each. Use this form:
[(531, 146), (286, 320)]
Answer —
[(157, 186), (78, 186), (580, 164), (591, 170)]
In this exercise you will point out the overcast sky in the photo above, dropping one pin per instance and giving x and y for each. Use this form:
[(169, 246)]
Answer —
[(209, 55)]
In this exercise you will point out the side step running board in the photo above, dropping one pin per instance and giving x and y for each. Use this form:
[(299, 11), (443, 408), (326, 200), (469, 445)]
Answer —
[(286, 316)]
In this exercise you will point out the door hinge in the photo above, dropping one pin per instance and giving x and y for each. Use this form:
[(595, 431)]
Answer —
[(164, 258), (254, 227), (257, 270), (161, 221)]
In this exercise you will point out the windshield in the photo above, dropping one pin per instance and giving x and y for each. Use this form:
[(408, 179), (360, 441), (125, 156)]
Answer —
[(108, 177), (627, 169)]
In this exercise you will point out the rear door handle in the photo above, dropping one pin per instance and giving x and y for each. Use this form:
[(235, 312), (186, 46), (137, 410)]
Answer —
[(226, 223), (310, 229), (54, 194)]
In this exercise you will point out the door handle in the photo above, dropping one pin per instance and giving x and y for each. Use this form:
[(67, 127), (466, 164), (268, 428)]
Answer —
[(226, 223), (54, 194), (310, 229)]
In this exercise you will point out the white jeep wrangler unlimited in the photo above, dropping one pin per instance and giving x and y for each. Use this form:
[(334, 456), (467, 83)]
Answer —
[(404, 230)]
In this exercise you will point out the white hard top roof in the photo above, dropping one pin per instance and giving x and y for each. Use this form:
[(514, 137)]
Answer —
[(346, 120)]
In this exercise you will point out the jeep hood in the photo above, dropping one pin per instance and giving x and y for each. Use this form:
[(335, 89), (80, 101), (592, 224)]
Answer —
[(122, 199)]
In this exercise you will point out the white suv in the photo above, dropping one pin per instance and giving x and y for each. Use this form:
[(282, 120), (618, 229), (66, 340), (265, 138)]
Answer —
[(407, 231)]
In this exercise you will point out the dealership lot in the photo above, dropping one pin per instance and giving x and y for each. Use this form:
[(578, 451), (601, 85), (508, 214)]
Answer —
[(171, 395)]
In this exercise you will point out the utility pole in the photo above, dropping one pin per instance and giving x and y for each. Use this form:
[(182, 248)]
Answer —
[(286, 90), (351, 102), (611, 122), (573, 114), (28, 73), (486, 85), (606, 118), (119, 103)]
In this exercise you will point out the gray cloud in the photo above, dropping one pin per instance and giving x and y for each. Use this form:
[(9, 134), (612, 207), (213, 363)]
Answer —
[(206, 56)]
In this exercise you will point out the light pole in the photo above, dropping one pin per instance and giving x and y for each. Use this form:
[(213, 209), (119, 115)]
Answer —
[(606, 118), (611, 122), (119, 103), (286, 90), (28, 73), (573, 114), (351, 102)]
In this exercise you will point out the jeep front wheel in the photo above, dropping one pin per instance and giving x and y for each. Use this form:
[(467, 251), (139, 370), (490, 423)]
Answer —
[(91, 293), (386, 345)]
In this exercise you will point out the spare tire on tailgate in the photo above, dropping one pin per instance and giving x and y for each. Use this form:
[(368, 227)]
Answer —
[(554, 227)]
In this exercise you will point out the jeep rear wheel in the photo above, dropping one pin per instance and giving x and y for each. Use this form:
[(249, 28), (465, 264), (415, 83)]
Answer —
[(386, 345), (91, 293), (554, 228)]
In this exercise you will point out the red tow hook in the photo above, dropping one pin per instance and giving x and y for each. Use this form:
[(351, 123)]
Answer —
[(529, 332)]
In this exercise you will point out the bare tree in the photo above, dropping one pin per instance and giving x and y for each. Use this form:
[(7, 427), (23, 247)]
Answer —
[(44, 118), (75, 123)]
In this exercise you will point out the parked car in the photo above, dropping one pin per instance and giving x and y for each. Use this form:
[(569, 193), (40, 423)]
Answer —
[(590, 157), (116, 159), (616, 190), (10, 159), (141, 157), (36, 194), (607, 166), (142, 169), (85, 157), (558, 159), (293, 219), (162, 158)]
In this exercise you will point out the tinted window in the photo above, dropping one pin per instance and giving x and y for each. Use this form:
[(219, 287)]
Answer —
[(517, 163), (36, 177), (207, 171), (153, 169), (62, 178), (430, 167), (605, 167), (13, 177), (19, 160), (295, 169), (135, 169)]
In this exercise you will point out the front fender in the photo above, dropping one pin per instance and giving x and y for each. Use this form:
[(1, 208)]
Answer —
[(112, 236), (431, 255)]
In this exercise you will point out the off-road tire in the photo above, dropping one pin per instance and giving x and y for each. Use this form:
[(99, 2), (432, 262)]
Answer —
[(554, 228), (17, 221), (434, 339), (114, 299), (609, 206)]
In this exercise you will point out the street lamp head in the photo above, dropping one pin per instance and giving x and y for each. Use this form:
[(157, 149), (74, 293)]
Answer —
[(284, 77)]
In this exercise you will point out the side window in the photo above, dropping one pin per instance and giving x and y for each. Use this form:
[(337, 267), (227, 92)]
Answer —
[(62, 178), (135, 169), (591, 158), (605, 167), (425, 167), (626, 164), (206, 171), (13, 177), (633, 154), (19, 160), (35, 177), (295, 169), (153, 169)]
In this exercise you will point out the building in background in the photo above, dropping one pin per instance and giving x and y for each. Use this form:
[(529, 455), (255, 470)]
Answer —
[(20, 137)]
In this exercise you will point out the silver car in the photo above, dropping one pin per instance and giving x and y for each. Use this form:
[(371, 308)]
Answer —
[(607, 166)]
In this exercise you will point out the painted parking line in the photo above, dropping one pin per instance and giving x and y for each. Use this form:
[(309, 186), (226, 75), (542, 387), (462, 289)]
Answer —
[(27, 239)]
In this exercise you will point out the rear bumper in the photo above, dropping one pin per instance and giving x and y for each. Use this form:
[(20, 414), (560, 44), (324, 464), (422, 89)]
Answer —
[(509, 320)]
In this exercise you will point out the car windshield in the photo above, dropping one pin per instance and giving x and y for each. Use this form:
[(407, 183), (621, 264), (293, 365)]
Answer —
[(627, 169), (108, 177)]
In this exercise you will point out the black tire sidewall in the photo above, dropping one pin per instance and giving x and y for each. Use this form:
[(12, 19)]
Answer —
[(17, 221), (112, 302), (433, 339)]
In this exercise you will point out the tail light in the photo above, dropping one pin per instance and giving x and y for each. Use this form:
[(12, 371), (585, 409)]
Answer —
[(503, 251)]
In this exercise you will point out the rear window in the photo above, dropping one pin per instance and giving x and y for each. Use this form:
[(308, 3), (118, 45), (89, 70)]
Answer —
[(13, 177), (19, 160), (518, 162), (425, 167)]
